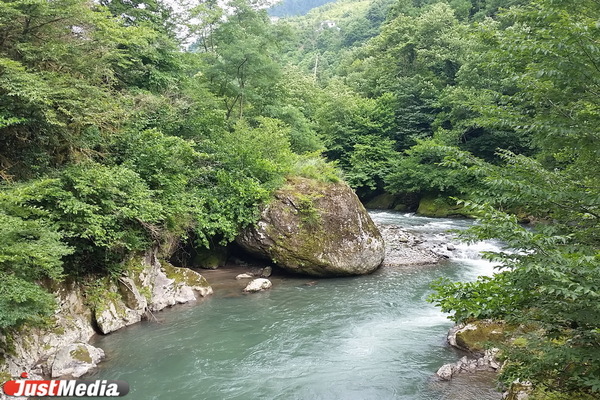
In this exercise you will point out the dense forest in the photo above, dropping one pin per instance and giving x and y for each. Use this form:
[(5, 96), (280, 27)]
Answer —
[(116, 135)]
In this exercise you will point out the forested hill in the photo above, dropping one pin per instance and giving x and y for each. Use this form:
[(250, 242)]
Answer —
[(113, 140), (288, 8)]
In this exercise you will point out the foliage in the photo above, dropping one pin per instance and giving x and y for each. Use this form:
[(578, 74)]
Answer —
[(370, 163), (23, 301), (313, 166), (30, 250), (550, 275), (422, 170)]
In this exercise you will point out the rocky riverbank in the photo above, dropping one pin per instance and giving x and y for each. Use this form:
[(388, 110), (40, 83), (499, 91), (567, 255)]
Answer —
[(61, 349)]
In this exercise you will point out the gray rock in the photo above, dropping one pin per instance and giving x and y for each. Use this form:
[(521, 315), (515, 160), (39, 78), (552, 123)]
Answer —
[(114, 315), (35, 345), (163, 284), (149, 286), (266, 272), (75, 360), (258, 285), (446, 372), (172, 285), (318, 229), (244, 276), (405, 249)]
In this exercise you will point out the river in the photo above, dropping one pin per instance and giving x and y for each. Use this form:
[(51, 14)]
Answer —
[(368, 337)]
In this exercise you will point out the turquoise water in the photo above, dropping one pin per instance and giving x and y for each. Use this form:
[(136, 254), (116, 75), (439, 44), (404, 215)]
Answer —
[(369, 337)]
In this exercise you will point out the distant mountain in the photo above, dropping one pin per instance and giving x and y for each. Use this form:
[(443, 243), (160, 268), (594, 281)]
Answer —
[(289, 8)]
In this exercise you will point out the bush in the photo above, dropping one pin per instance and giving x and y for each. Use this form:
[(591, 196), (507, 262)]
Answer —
[(30, 250)]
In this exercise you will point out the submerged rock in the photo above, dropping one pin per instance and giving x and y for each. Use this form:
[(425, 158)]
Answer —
[(258, 285), (244, 276), (446, 371), (75, 360), (318, 229)]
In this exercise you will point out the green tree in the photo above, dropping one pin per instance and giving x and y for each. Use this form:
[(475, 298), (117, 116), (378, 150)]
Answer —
[(240, 61), (550, 279), (31, 250)]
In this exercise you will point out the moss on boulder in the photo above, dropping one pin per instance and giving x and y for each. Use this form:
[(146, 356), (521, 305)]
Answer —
[(479, 335), (440, 207), (318, 229), (211, 258), (384, 201)]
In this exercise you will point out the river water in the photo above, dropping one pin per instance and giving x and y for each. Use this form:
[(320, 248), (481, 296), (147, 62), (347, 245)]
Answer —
[(369, 337)]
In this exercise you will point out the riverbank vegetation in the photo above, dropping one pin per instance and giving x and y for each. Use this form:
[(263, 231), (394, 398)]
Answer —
[(123, 124)]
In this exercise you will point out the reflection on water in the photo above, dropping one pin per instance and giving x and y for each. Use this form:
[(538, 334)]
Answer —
[(370, 337)]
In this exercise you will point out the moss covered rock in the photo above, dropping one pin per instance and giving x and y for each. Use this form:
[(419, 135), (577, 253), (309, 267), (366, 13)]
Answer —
[(384, 201), (440, 207), (75, 360), (318, 229), (478, 335), (211, 258)]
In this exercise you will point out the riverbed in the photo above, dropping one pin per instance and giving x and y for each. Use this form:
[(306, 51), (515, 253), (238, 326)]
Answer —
[(368, 337)]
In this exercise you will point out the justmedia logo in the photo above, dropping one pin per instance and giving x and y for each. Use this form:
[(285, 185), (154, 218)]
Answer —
[(64, 388)]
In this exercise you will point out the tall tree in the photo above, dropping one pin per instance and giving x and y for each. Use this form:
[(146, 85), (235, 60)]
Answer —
[(550, 280)]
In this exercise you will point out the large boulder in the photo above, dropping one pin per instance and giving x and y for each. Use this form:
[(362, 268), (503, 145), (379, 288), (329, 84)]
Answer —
[(318, 229)]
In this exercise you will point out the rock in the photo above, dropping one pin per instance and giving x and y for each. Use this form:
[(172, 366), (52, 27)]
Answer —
[(487, 362), (173, 285), (211, 258), (440, 207), (403, 248), (151, 285), (473, 337), (258, 285), (383, 201), (318, 229), (446, 371), (518, 390), (75, 360), (450, 247), (34, 346), (266, 272), (113, 315), (400, 207), (244, 276)]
